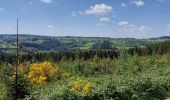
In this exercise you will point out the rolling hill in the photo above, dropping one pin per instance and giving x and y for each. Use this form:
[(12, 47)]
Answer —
[(65, 43)]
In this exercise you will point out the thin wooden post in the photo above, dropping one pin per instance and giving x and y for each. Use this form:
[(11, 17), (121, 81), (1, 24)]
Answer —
[(16, 70)]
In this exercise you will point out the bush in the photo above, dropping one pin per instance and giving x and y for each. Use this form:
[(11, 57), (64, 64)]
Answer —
[(148, 90), (40, 73)]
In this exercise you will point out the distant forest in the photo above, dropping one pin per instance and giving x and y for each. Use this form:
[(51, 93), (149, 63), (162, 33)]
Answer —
[(159, 48)]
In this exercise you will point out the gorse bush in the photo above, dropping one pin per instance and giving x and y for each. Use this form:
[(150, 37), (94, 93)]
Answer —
[(81, 86), (40, 73)]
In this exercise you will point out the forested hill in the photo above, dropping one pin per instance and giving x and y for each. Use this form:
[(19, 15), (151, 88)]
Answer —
[(65, 43), (158, 48)]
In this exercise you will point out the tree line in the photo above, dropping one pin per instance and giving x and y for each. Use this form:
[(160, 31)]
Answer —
[(57, 56), (159, 48)]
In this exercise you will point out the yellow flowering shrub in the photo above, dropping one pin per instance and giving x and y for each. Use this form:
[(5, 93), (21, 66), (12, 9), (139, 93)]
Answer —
[(86, 89), (81, 86), (42, 72)]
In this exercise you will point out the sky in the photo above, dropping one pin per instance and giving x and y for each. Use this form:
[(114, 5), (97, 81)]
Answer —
[(89, 18)]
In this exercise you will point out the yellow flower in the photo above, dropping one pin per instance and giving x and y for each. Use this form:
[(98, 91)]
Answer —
[(41, 78), (79, 80), (81, 86), (40, 73), (86, 89)]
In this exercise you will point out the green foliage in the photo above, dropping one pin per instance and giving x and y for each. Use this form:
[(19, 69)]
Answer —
[(2, 91), (106, 88), (91, 67), (159, 48), (148, 90), (18, 90), (129, 77), (105, 44), (34, 42), (21, 88)]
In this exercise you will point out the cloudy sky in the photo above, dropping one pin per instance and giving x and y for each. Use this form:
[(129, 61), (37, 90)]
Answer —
[(110, 18)]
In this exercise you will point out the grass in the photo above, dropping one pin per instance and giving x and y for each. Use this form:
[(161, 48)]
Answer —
[(87, 46), (7, 46)]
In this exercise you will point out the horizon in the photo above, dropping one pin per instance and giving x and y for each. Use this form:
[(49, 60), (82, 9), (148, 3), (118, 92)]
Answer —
[(97, 18), (87, 36)]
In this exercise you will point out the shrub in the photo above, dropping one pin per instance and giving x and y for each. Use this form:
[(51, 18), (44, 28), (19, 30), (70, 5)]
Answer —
[(149, 90), (81, 86), (40, 73)]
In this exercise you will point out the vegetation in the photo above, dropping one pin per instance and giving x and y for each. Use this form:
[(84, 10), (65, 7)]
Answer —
[(160, 48), (140, 73), (45, 43)]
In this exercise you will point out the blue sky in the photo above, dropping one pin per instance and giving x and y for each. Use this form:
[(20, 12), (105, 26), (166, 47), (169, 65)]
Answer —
[(109, 18)]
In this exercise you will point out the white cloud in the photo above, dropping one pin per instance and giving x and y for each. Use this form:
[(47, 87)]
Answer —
[(123, 23), (104, 19), (101, 24), (138, 2), (73, 13), (2, 10), (143, 28), (161, 1), (123, 5), (51, 26), (80, 12), (46, 1), (125, 27), (132, 25), (99, 9)]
